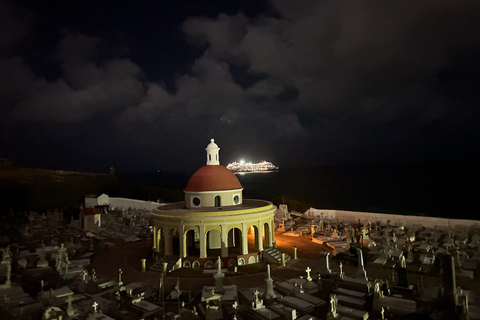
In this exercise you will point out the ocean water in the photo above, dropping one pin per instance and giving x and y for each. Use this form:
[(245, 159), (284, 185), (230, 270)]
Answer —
[(420, 190), (443, 191)]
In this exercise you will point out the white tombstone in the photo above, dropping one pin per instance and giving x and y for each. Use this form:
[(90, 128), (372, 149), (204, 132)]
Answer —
[(219, 275), (325, 264), (360, 273), (257, 303), (269, 293)]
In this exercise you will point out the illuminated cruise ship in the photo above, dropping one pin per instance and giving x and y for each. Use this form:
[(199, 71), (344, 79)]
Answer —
[(248, 167)]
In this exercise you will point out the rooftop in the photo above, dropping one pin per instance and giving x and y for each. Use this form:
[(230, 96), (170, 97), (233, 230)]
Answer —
[(213, 178)]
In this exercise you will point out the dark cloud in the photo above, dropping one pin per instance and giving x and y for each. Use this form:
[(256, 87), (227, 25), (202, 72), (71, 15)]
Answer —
[(329, 82), (15, 25)]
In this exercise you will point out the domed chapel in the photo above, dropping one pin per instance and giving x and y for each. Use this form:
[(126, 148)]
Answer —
[(214, 220)]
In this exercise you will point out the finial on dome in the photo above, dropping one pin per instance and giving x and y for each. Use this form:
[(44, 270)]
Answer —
[(212, 153)]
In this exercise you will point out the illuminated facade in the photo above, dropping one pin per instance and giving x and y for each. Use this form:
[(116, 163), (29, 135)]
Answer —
[(214, 220)]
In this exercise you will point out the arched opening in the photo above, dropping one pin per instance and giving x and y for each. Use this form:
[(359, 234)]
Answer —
[(253, 239), (234, 241), (192, 243), (218, 201), (232, 263), (214, 242)]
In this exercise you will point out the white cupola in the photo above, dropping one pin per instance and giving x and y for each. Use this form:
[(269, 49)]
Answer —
[(212, 153)]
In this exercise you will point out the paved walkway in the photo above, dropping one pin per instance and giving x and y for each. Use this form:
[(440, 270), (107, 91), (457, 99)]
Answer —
[(128, 256)]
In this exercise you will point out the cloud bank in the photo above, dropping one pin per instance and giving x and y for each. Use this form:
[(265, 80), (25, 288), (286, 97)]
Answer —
[(311, 84)]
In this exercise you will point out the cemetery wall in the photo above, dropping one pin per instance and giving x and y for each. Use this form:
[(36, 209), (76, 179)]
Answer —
[(125, 203), (395, 219)]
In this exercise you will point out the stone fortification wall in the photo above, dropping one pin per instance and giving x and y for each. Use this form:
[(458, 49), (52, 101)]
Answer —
[(395, 219), (125, 203)]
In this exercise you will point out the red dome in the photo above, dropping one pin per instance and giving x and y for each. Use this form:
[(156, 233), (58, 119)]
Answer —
[(213, 178)]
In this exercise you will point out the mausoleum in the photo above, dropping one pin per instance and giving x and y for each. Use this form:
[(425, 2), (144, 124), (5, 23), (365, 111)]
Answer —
[(214, 220)]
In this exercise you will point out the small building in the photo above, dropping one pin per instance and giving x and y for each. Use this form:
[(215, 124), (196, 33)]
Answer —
[(90, 219)]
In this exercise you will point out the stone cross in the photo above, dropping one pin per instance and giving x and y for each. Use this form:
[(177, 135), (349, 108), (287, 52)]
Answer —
[(69, 300), (235, 306), (309, 278), (95, 305)]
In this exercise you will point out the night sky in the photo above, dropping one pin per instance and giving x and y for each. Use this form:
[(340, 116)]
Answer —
[(143, 85)]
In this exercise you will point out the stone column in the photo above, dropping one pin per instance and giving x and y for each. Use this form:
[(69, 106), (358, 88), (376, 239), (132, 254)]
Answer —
[(224, 242), (260, 236), (203, 242), (144, 264), (244, 239), (182, 243), (155, 238)]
